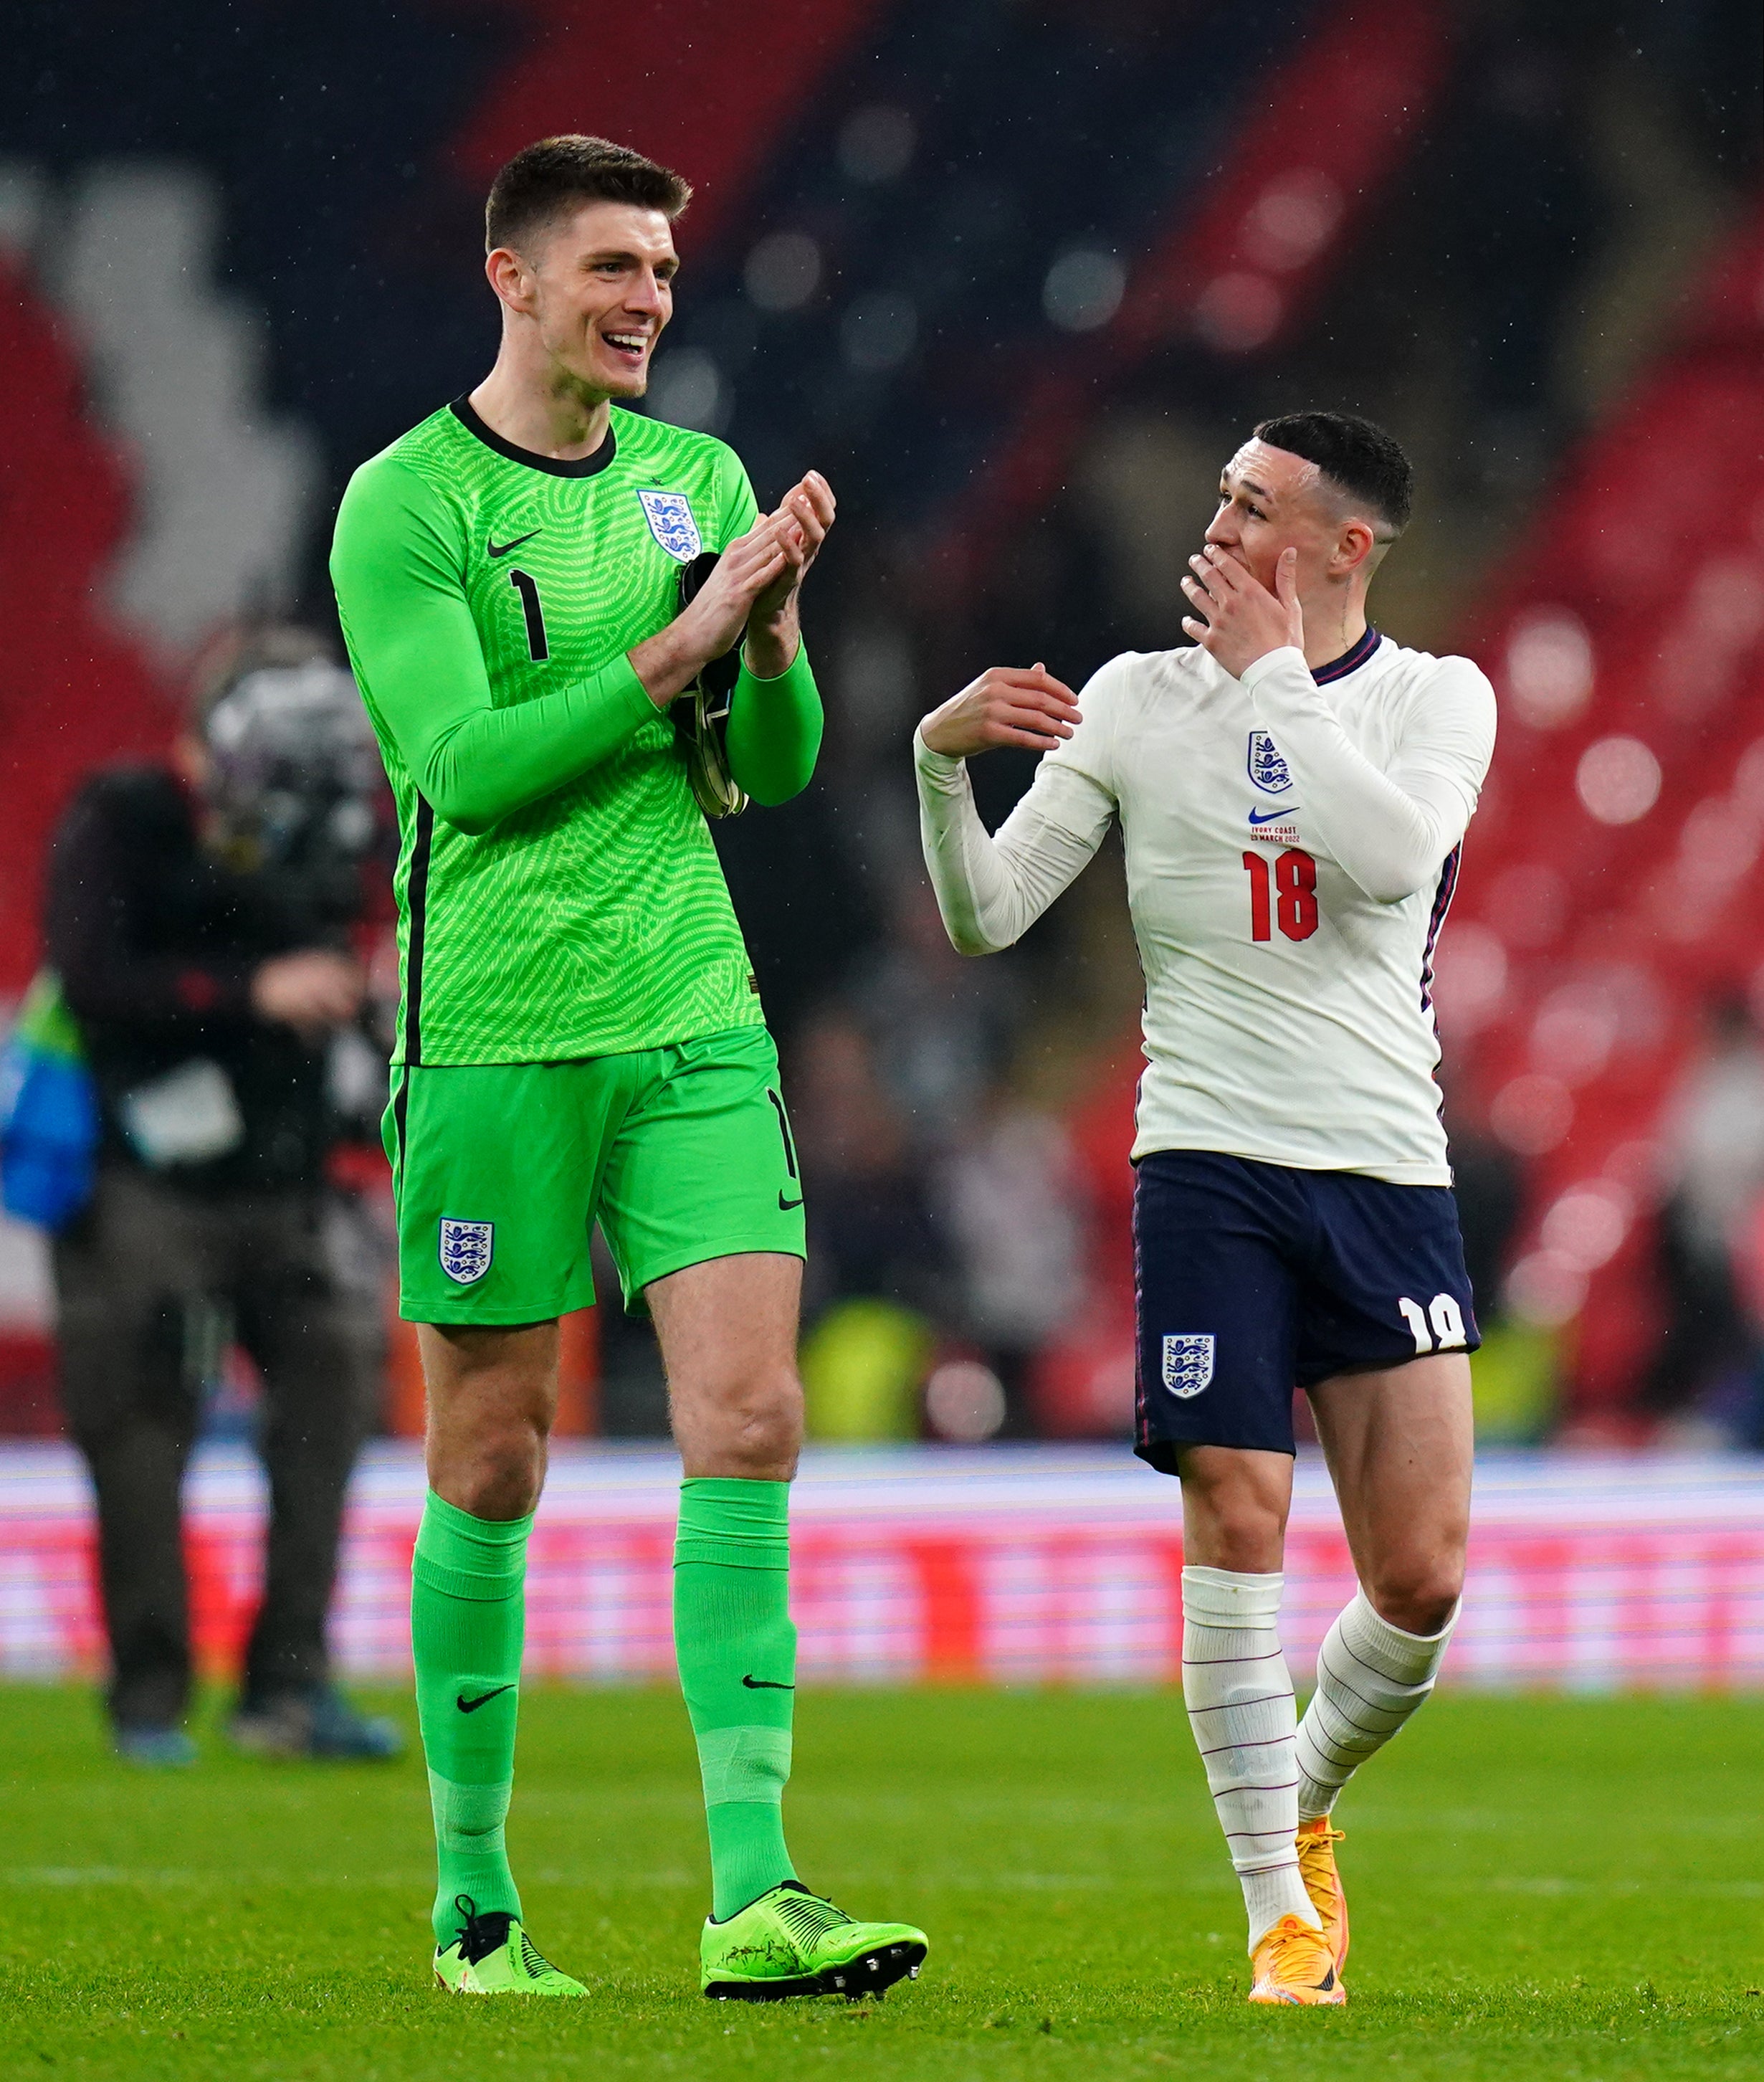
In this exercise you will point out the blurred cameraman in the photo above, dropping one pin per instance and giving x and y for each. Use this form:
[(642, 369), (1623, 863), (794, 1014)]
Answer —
[(199, 917)]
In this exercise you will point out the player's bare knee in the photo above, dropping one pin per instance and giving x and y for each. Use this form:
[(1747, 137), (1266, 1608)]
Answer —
[(1234, 1517), (1419, 1597), (1247, 1544), (1235, 1533), (768, 1421), (750, 1426), (502, 1490), (494, 1476)]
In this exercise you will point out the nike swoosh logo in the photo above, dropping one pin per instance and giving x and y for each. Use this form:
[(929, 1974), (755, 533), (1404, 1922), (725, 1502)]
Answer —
[(483, 1699), (785, 1206), (765, 1684), (1274, 816), (502, 548)]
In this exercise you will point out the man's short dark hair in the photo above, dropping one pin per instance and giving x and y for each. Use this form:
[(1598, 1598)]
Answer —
[(1358, 457), (557, 174)]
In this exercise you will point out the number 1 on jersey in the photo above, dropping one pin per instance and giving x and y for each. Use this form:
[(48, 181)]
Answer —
[(1295, 878), (538, 648)]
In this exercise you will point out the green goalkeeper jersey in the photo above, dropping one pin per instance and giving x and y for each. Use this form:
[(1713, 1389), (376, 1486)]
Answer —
[(559, 893)]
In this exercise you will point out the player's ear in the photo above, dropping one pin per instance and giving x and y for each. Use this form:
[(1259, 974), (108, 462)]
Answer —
[(509, 276), (1354, 547)]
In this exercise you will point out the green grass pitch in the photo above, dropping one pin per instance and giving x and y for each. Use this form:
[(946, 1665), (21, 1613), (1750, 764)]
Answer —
[(1539, 1888)]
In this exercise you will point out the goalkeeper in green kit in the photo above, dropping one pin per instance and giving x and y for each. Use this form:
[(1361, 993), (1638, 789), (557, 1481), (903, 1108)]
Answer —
[(529, 583)]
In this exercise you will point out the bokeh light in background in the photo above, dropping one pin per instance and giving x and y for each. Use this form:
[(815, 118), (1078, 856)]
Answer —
[(1018, 280)]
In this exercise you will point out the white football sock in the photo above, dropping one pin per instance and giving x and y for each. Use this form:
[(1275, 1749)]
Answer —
[(1370, 1677), (1240, 1707)]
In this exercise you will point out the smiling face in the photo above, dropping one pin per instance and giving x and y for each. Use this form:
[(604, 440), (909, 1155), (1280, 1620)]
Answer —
[(596, 286)]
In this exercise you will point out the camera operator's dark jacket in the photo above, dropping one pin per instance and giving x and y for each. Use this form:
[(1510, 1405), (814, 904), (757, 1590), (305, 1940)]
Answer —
[(156, 941)]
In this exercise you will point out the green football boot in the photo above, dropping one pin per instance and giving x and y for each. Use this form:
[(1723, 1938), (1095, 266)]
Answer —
[(493, 1956), (791, 1942)]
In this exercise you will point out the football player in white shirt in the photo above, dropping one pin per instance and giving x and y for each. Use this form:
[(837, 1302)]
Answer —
[(1293, 790)]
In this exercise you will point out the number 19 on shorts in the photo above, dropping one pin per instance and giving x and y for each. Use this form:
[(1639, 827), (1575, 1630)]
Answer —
[(1286, 895)]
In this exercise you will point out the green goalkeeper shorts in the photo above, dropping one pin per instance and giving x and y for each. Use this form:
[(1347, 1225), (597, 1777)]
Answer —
[(500, 1170)]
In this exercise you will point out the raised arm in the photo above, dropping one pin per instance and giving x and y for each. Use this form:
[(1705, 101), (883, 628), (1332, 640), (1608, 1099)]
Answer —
[(398, 564), (774, 716), (990, 889), (1388, 829)]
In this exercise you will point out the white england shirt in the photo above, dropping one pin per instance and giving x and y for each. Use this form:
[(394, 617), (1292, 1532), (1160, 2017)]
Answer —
[(1292, 843)]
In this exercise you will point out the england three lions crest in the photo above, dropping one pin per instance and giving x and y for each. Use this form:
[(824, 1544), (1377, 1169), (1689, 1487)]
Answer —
[(671, 522), (1267, 768), (1188, 1364), (466, 1248)]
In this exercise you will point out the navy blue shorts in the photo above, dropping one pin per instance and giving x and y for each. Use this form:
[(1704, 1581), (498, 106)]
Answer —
[(1252, 1279)]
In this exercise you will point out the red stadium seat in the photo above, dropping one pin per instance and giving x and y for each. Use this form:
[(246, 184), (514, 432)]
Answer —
[(1668, 593), (76, 691)]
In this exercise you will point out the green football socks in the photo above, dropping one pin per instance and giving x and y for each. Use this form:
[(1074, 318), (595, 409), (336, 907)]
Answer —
[(737, 1651), (467, 1616)]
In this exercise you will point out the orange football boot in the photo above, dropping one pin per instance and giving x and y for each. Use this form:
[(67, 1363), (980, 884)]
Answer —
[(1292, 1965), (1317, 1840)]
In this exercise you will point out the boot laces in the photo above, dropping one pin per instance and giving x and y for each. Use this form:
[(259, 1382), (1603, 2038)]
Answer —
[(480, 1935), (1297, 1952), (1310, 1842)]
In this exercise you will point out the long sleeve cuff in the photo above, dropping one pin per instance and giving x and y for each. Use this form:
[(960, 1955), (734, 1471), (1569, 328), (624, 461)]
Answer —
[(938, 768), (618, 682), (1388, 834), (990, 889), (1274, 661), (796, 671), (774, 731)]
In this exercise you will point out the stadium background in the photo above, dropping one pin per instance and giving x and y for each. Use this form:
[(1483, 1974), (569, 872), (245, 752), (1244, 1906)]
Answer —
[(1017, 279)]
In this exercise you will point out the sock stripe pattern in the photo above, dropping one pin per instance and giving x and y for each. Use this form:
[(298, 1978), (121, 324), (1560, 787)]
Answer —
[(1241, 1709), (1371, 1676)]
